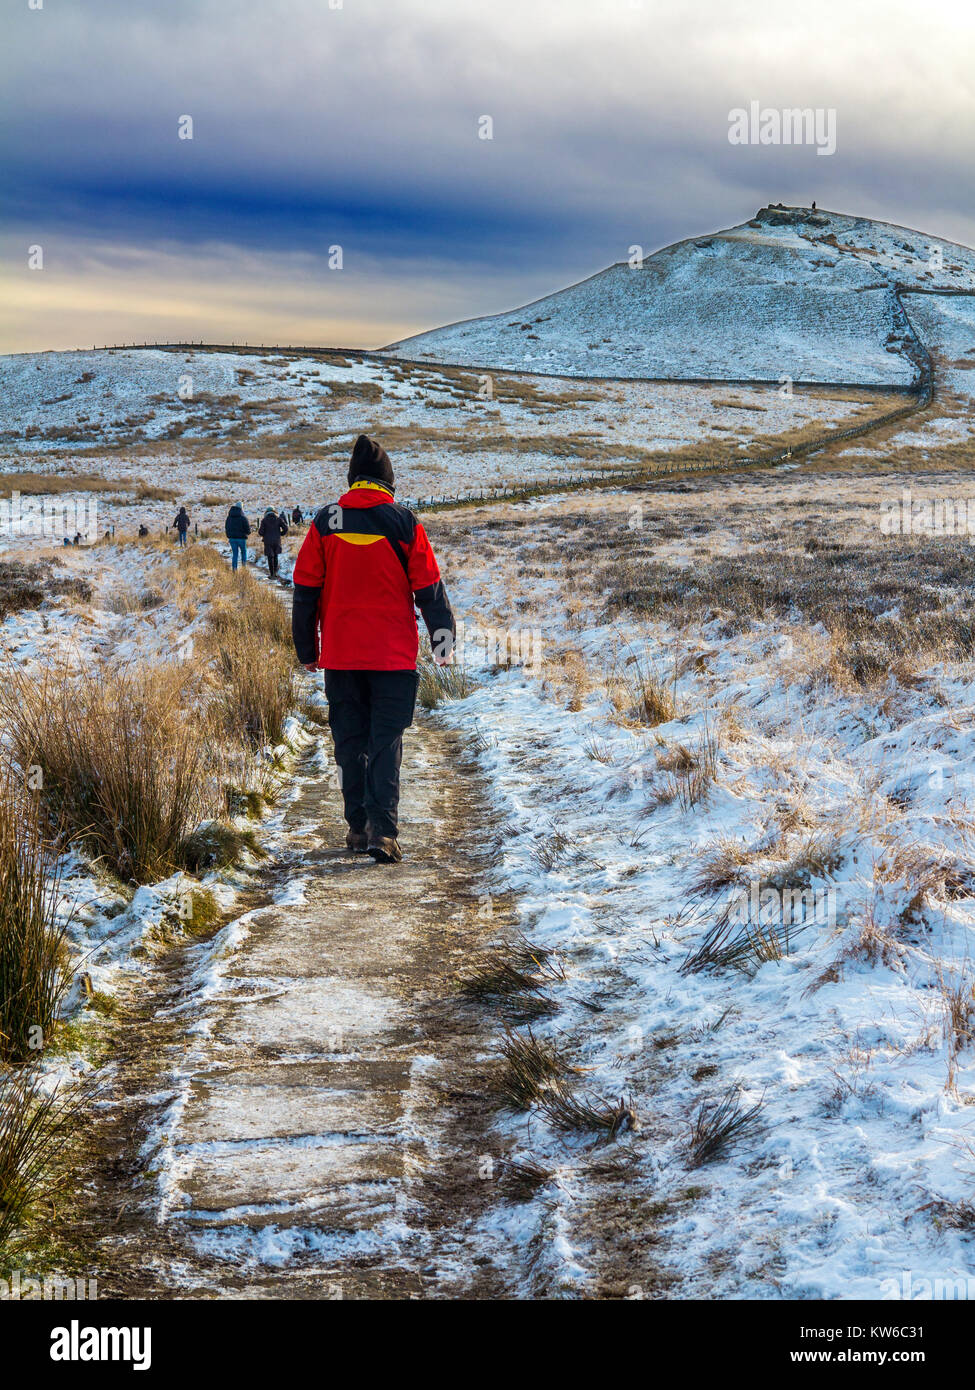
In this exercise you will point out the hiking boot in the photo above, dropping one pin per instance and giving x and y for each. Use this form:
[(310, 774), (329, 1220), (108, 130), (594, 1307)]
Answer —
[(357, 842), (385, 850)]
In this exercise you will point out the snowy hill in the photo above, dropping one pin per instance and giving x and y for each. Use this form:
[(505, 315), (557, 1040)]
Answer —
[(791, 292)]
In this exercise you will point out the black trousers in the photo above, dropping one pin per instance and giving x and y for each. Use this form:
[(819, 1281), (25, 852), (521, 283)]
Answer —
[(273, 559), (367, 713)]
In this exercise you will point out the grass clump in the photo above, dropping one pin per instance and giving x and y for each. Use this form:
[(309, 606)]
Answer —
[(719, 1123), (529, 1064), (642, 696), (690, 775), (568, 1111), (119, 765), (439, 683), (741, 945), (740, 938), (28, 586), (520, 1179), (259, 688), (722, 865), (535, 1072), (216, 845), (203, 559), (33, 958), (250, 639), (512, 978), (35, 1126)]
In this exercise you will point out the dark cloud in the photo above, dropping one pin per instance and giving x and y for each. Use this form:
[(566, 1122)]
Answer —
[(358, 126)]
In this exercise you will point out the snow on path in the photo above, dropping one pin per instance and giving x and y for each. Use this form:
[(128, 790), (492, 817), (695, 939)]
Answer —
[(307, 1140)]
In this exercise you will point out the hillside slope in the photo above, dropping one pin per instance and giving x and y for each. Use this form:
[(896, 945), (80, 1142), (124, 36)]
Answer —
[(810, 296)]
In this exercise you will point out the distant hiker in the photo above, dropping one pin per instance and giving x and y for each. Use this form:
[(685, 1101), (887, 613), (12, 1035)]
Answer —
[(238, 528), (270, 530), (362, 566), (296, 517), (814, 205), (182, 524), (143, 530)]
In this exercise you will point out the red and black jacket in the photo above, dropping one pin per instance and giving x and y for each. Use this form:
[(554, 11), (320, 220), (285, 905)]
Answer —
[(361, 568)]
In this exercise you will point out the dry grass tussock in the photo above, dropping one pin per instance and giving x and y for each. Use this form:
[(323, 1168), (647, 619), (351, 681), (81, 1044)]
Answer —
[(719, 1123), (640, 695), (127, 761), (120, 758), (36, 1124), (689, 774), (33, 957), (33, 483), (958, 1016), (439, 683), (511, 978), (737, 939), (724, 864), (535, 1073), (249, 641), (528, 1065)]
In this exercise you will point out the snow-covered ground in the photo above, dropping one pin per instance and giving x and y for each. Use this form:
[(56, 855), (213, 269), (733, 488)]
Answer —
[(136, 616), (864, 1133), (276, 430), (853, 1041), (947, 325), (119, 397)]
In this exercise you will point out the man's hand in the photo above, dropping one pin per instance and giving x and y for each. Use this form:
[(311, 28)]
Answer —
[(311, 666), (444, 660)]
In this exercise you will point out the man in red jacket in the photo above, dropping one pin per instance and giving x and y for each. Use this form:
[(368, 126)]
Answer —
[(363, 565)]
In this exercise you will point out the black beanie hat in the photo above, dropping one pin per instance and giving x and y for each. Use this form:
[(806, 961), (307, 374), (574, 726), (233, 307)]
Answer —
[(370, 460)]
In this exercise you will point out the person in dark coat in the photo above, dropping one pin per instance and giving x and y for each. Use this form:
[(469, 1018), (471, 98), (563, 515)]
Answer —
[(296, 516), (271, 529), (182, 524), (238, 528)]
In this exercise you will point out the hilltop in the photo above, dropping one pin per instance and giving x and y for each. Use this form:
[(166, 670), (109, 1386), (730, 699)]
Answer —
[(812, 296)]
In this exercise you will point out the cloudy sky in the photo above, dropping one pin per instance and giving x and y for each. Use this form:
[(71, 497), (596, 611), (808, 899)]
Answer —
[(317, 124)]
